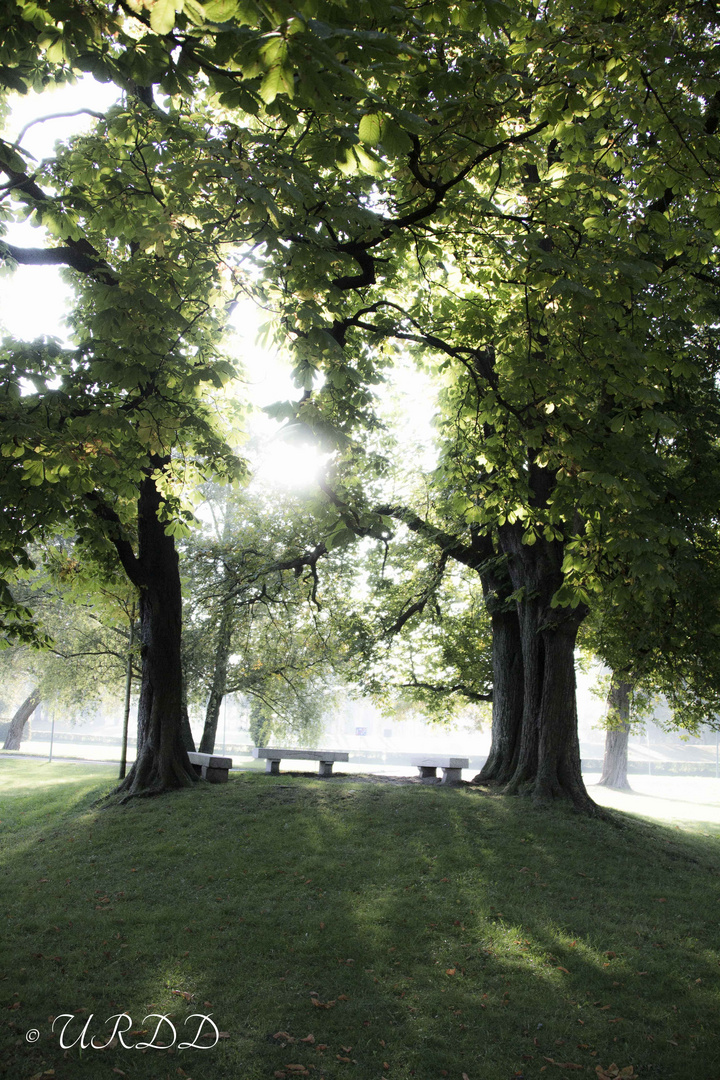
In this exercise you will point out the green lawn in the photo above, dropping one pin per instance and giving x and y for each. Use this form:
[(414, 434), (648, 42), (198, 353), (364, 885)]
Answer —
[(342, 929)]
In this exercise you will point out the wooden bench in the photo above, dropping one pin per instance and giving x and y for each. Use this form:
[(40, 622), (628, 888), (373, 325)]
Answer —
[(275, 754), (211, 767), (451, 766)]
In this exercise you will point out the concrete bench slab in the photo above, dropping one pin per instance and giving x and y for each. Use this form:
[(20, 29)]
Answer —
[(452, 767), (211, 766), (274, 755)]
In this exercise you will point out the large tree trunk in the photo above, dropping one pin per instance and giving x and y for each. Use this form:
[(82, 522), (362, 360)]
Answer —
[(548, 762), (162, 761), (20, 719), (614, 773), (507, 708), (219, 679)]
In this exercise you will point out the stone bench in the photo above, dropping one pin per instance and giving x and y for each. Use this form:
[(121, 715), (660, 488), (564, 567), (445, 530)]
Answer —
[(211, 767), (451, 766), (275, 754)]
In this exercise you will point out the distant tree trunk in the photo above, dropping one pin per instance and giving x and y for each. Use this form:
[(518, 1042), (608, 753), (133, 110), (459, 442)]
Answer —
[(219, 679), (548, 763), (20, 719), (261, 728), (162, 761), (614, 773)]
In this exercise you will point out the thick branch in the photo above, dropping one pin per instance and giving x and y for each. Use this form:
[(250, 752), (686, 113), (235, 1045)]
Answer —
[(441, 688), (78, 254), (116, 536)]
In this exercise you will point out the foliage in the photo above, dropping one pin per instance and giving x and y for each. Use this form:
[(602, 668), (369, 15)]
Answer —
[(524, 196), (84, 617), (669, 648), (416, 630), (256, 607)]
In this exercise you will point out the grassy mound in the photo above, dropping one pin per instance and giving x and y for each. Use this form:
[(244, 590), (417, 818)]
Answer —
[(344, 929)]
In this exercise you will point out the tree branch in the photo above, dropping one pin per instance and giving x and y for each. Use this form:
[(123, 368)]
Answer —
[(78, 254)]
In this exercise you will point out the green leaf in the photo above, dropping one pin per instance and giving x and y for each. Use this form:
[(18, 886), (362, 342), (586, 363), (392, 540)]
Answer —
[(278, 80), (162, 16), (220, 11), (195, 12), (370, 128)]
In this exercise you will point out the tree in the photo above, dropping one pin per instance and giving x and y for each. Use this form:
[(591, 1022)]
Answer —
[(255, 623), (525, 259), (614, 770), (114, 434), (525, 197), (142, 221), (84, 615), (663, 647), (20, 719)]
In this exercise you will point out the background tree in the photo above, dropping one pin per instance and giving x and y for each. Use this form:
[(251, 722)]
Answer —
[(85, 622), (258, 623)]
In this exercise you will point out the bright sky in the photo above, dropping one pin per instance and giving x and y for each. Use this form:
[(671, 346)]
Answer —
[(33, 302)]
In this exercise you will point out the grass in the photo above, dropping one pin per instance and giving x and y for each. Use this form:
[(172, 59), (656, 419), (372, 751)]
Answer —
[(352, 930)]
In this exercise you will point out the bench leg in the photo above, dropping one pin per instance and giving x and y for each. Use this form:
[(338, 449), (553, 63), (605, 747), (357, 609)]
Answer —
[(215, 776), (272, 766), (452, 776), (428, 771), (325, 768)]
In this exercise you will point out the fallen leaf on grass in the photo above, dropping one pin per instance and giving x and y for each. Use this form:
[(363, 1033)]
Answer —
[(308, 1039), (612, 1072), (563, 969), (182, 994), (449, 971), (564, 1064), (341, 1058), (299, 1070)]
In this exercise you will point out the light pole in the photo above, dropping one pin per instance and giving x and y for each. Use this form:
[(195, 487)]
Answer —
[(128, 691), (52, 736)]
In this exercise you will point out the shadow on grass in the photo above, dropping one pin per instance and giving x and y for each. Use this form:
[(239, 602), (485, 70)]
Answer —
[(411, 931)]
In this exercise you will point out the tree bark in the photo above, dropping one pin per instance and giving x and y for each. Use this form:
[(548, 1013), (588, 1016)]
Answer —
[(507, 707), (219, 679), (548, 762), (162, 761), (20, 719), (614, 772)]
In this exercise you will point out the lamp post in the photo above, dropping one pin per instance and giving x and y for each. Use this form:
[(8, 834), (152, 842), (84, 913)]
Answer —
[(52, 736), (128, 691)]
